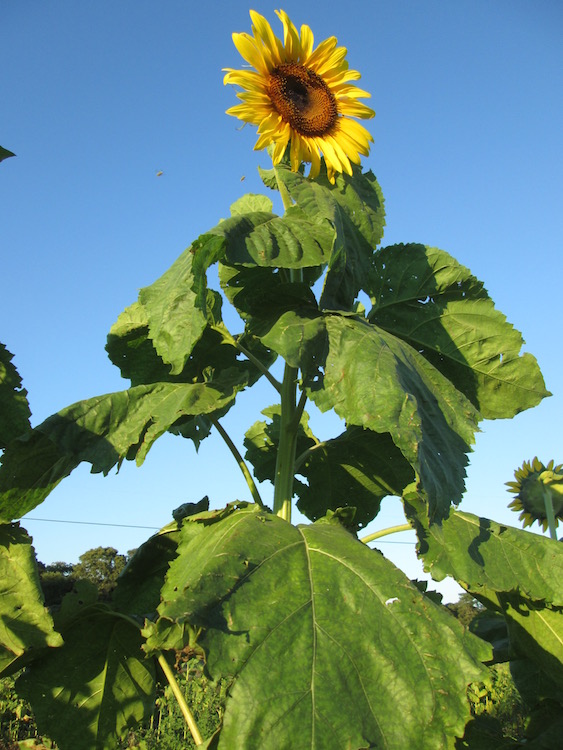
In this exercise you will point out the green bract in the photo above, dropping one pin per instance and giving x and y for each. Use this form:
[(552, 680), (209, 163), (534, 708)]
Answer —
[(325, 643)]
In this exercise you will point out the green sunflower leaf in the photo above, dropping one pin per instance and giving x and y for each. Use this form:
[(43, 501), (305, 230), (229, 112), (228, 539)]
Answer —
[(14, 408), (138, 586), (429, 300), (171, 313), (510, 570), (261, 238), (486, 557), (104, 431), (250, 203), (25, 624), (374, 380), (177, 302), (266, 593), (98, 684), (354, 207), (5, 154), (262, 439)]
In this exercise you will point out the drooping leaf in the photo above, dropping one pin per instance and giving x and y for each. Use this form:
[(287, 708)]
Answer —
[(131, 349), (373, 379), (268, 593), (103, 431), (177, 302), (86, 694), (354, 207), (510, 570), (26, 627), (138, 587), (358, 469), (428, 299), (264, 239), (486, 557), (14, 408)]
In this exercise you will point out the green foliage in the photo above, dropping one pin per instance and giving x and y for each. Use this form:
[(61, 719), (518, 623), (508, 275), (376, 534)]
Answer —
[(5, 154), (14, 409), (101, 566), (362, 656)]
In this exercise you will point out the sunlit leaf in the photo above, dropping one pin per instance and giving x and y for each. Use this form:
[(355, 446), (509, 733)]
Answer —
[(354, 207), (375, 380), (103, 431), (14, 408), (25, 624), (350, 637), (250, 203), (427, 298), (264, 239), (510, 570)]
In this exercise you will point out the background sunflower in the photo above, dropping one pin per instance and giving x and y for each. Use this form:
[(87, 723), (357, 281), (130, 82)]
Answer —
[(539, 494)]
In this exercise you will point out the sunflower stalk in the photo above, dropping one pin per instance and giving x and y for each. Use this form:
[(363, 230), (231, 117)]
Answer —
[(285, 460)]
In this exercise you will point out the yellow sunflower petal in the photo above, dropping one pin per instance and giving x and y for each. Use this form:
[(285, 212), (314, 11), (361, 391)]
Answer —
[(248, 50), (291, 41), (307, 42), (318, 122), (246, 79), (273, 48), (353, 108)]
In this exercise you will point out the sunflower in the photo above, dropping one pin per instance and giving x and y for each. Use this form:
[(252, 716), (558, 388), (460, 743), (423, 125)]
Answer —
[(300, 96), (535, 485)]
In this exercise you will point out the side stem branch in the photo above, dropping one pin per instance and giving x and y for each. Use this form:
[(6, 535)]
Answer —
[(240, 461)]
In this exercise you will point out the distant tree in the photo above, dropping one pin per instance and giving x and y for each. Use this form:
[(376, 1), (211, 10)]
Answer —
[(101, 566), (465, 609), (57, 579)]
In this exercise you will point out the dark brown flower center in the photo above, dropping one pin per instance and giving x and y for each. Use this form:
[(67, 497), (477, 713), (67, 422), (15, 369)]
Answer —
[(303, 99)]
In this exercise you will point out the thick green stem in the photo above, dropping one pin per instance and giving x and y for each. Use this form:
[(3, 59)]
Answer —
[(550, 515), (285, 463), (240, 461), (385, 532), (184, 708)]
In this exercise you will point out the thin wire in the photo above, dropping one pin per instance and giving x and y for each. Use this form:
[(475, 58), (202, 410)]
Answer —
[(152, 528), (91, 523)]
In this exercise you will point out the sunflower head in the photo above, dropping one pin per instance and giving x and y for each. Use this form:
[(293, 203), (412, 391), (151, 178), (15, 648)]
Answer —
[(533, 482), (300, 96)]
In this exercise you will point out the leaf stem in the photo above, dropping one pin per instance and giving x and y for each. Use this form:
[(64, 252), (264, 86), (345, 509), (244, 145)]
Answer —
[(184, 708), (549, 513), (300, 460), (240, 461), (255, 361), (284, 193), (385, 532)]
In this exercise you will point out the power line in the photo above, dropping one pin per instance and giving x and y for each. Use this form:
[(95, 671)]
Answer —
[(153, 528), (91, 523)]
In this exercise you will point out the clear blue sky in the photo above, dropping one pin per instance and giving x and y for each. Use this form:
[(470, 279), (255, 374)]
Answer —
[(96, 98)]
